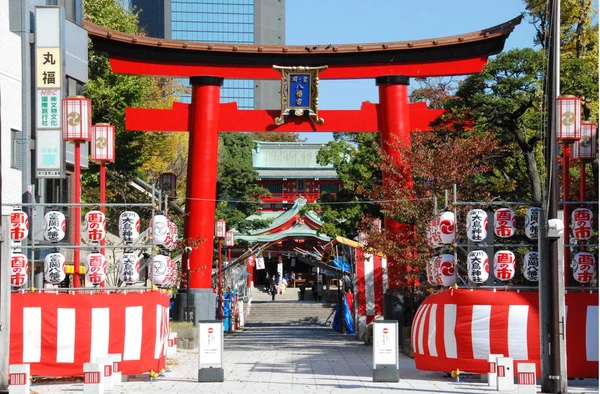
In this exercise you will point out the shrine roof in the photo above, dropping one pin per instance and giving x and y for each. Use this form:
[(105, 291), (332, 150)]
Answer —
[(181, 58), (289, 160)]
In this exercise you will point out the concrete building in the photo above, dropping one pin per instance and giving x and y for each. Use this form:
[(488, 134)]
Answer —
[(222, 21)]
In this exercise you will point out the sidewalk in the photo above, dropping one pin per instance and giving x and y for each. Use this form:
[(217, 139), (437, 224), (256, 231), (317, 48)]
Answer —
[(299, 360)]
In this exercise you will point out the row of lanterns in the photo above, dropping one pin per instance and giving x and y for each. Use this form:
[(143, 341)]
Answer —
[(441, 269), (441, 229), (572, 130)]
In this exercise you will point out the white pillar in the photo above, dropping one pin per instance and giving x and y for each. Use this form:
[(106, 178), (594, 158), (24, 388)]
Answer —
[(526, 383), (107, 365), (18, 379), (93, 382), (116, 371), (172, 344), (491, 376), (506, 376)]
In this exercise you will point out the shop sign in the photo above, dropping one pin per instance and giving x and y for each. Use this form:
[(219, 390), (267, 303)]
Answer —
[(210, 344)]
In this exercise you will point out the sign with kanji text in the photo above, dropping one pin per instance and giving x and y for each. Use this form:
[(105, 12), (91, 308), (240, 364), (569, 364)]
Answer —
[(48, 108), (385, 351), (48, 68), (210, 344)]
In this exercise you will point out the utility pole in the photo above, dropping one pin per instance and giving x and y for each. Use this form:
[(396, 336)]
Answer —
[(551, 283)]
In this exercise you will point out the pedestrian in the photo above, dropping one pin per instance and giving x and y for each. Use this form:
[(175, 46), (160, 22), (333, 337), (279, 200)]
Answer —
[(302, 291), (319, 291), (273, 290), (315, 291)]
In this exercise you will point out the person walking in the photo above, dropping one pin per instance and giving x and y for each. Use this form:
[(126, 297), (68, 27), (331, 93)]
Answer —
[(273, 288)]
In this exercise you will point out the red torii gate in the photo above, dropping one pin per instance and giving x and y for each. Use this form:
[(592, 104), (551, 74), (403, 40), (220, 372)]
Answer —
[(391, 64)]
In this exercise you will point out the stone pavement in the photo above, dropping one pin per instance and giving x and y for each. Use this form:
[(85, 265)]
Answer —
[(299, 360)]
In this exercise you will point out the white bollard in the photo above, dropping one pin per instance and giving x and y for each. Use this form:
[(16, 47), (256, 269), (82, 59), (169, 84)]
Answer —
[(92, 378), (491, 376), (526, 383), (18, 379), (116, 371), (172, 344), (107, 365), (505, 380)]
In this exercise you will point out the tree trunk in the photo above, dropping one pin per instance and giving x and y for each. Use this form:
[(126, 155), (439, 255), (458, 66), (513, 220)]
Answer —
[(532, 171)]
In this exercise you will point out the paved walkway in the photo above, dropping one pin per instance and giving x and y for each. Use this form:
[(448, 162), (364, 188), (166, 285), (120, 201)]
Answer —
[(299, 360)]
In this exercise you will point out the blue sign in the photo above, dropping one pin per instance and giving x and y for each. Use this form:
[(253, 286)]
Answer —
[(299, 95)]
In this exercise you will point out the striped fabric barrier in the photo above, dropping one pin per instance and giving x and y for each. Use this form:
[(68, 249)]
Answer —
[(57, 333), (371, 284), (460, 328)]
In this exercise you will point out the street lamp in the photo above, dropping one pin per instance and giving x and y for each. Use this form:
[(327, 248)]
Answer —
[(220, 231), (76, 124), (229, 242)]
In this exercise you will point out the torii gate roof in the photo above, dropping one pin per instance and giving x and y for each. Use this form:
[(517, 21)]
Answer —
[(453, 55)]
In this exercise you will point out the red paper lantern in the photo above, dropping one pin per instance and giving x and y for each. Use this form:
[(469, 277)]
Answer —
[(77, 119), (586, 147), (568, 119), (103, 143)]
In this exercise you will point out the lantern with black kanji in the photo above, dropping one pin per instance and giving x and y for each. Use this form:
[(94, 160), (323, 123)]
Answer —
[(478, 266), (477, 225), (129, 226), (568, 119), (77, 119), (54, 268), (103, 143), (586, 147), (531, 266), (55, 226), (129, 268)]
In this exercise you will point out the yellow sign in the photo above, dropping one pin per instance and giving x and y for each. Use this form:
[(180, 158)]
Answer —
[(48, 68)]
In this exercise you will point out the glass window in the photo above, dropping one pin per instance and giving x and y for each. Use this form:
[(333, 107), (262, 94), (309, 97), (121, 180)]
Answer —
[(274, 187), (15, 148), (330, 188)]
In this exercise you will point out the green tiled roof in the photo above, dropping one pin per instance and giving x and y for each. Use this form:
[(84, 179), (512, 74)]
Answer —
[(298, 155)]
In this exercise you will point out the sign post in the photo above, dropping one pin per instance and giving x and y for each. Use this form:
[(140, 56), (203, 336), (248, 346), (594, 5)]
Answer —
[(385, 351), (210, 351)]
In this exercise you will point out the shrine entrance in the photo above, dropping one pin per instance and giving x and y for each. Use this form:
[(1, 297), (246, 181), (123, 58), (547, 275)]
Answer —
[(390, 64)]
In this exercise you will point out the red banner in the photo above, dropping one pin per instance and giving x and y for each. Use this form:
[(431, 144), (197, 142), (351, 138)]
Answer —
[(57, 333), (460, 328)]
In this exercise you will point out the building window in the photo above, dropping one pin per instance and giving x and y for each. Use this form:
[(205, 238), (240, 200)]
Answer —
[(274, 187), (14, 148), (330, 188), (300, 185)]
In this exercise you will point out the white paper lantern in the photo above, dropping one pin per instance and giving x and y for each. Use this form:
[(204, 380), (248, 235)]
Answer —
[(54, 268), (129, 226), (429, 271), (531, 266), (532, 222), (586, 148), (77, 119), (436, 275), (160, 229), (584, 267), (446, 227), (95, 226), (55, 226), (568, 118), (159, 270), (505, 222), (581, 223), (172, 235), (504, 265), (447, 270), (96, 268), (19, 226), (18, 270), (129, 268), (102, 145), (478, 266), (477, 225), (434, 237)]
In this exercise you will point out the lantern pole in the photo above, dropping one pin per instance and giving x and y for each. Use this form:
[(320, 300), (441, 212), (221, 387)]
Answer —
[(582, 180), (103, 207), (220, 283), (77, 214), (566, 189)]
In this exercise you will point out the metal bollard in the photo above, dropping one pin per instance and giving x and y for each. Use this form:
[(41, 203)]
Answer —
[(116, 372), (526, 383), (93, 382), (18, 379)]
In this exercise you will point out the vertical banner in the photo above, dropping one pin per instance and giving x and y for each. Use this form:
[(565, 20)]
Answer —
[(49, 71)]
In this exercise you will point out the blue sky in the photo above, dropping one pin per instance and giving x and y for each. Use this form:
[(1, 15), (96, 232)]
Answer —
[(359, 21)]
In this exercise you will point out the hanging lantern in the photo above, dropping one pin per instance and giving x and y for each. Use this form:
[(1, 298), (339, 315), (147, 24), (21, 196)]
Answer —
[(129, 226), (220, 229), (568, 118), (584, 267), (434, 237), (77, 119), (229, 239), (55, 226), (581, 223), (129, 268), (95, 226), (531, 266), (171, 280), (19, 226), (478, 266), (505, 222), (172, 235), (96, 268), (54, 268), (586, 147), (504, 265), (446, 227), (103, 143), (18, 270), (447, 272), (160, 229), (477, 225), (260, 263), (159, 270), (532, 222), (436, 276), (251, 261)]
